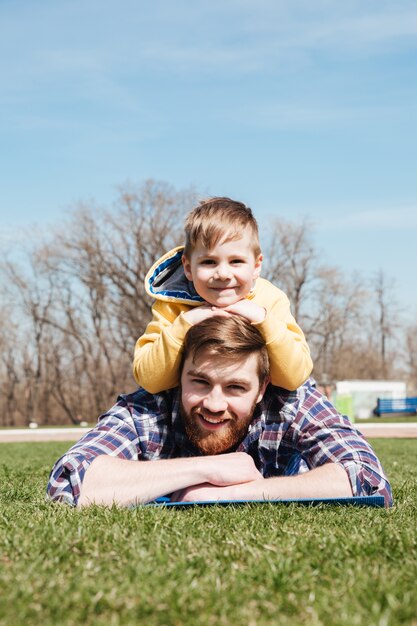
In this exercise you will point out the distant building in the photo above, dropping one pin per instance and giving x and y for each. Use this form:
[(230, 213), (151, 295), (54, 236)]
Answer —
[(357, 398)]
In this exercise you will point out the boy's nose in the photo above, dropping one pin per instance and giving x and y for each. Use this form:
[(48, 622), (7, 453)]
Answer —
[(222, 272), (215, 402)]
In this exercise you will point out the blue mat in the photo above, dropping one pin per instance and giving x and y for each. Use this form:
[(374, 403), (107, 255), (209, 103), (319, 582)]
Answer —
[(352, 501)]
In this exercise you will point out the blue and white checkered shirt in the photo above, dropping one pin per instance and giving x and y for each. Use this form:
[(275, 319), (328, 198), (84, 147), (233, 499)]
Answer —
[(286, 425)]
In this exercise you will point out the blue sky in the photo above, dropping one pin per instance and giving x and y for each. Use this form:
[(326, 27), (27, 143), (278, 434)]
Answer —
[(298, 108)]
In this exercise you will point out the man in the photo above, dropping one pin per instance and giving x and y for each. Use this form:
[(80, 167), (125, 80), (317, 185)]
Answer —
[(224, 434)]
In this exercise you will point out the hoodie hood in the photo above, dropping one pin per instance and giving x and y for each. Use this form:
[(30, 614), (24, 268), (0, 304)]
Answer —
[(166, 280)]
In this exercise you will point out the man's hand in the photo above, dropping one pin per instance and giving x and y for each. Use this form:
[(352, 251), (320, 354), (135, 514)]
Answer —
[(202, 493), (200, 313), (248, 309), (110, 480), (327, 481), (231, 469)]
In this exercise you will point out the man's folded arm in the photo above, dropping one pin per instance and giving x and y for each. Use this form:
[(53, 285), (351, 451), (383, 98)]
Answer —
[(111, 437), (323, 436), (328, 481), (104, 467), (110, 480), (341, 462)]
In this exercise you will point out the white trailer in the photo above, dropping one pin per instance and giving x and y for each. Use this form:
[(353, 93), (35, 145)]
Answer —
[(361, 395)]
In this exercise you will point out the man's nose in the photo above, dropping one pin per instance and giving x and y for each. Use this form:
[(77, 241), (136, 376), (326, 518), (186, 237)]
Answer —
[(215, 401)]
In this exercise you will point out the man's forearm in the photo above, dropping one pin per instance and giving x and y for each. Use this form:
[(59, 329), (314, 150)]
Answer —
[(111, 480), (327, 481)]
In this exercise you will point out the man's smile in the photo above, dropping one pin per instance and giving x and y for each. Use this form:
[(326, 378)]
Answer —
[(210, 422)]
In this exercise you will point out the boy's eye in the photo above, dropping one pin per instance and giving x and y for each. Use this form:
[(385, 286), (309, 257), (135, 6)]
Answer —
[(237, 261), (207, 262)]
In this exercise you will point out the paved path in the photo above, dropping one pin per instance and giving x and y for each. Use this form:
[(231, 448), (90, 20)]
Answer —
[(393, 431), (42, 434), (397, 431)]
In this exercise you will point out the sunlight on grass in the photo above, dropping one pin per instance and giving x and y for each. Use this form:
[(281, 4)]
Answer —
[(253, 564)]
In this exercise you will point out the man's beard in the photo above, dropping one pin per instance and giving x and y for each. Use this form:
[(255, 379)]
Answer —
[(224, 440)]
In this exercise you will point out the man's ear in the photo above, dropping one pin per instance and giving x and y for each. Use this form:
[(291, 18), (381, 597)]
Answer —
[(262, 389), (258, 266), (187, 267)]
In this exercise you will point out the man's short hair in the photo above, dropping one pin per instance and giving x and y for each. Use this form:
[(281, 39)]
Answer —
[(219, 219), (232, 338)]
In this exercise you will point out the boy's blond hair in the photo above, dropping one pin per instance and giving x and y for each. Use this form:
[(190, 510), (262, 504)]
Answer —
[(219, 219)]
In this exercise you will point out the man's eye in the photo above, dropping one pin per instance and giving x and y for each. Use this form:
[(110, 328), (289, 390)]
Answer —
[(237, 388), (199, 381)]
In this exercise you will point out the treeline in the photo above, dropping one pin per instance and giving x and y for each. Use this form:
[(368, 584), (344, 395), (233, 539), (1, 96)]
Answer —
[(74, 305)]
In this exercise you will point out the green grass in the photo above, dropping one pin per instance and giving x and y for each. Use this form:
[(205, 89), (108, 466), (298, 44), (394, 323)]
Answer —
[(250, 565), (395, 418)]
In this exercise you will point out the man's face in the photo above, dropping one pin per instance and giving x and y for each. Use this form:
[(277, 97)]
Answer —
[(218, 398)]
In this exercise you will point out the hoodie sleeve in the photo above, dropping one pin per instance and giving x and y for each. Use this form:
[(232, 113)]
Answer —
[(288, 351), (158, 351)]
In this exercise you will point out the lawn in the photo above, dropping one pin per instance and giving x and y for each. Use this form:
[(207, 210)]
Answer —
[(395, 418), (249, 565)]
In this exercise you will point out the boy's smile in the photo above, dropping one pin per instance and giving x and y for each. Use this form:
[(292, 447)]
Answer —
[(226, 273)]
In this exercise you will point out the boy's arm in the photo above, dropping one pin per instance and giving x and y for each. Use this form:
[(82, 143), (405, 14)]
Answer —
[(157, 353), (288, 351)]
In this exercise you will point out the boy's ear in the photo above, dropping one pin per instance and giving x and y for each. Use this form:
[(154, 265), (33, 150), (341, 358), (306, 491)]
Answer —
[(187, 267), (258, 266)]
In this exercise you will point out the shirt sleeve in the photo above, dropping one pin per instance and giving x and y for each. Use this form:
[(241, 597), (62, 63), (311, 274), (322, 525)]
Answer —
[(112, 436), (158, 351), (322, 436), (288, 351)]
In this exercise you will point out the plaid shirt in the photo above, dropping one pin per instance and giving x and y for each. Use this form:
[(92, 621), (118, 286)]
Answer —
[(285, 425)]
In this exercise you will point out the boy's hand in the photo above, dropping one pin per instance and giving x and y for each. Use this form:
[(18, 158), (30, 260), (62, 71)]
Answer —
[(200, 313), (248, 309)]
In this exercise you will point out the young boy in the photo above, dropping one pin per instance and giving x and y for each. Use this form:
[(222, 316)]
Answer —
[(216, 273)]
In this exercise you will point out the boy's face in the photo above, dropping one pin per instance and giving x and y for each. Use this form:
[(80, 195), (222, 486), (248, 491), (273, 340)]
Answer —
[(225, 273)]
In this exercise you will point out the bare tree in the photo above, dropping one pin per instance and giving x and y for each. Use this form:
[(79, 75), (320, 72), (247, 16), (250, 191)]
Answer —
[(9, 369), (34, 292), (411, 357), (351, 328), (334, 321), (81, 294), (386, 317), (74, 308), (291, 260)]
